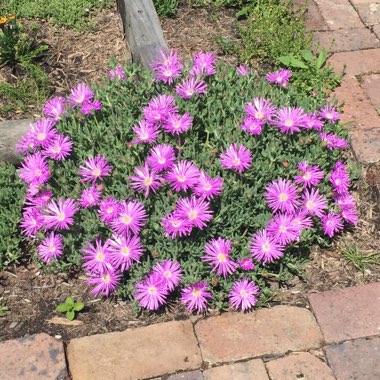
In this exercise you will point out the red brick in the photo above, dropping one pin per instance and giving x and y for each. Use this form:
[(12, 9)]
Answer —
[(252, 369), (357, 62), (342, 40), (314, 19), (237, 336), (371, 85), (339, 14), (301, 365), (376, 30), (357, 359), (32, 357), (369, 12), (193, 375), (366, 145), (135, 354), (348, 313)]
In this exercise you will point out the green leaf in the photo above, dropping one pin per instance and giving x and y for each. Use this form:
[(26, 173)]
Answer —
[(69, 302), (307, 55), (78, 306), (294, 62), (322, 58), (62, 308), (70, 315), (285, 59)]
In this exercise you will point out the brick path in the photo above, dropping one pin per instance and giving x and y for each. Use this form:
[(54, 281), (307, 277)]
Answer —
[(339, 338)]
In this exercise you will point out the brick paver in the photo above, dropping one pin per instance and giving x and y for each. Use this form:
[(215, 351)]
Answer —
[(250, 370), (135, 354), (192, 375), (299, 366), (32, 357), (237, 336), (376, 30), (348, 313), (314, 19), (366, 145), (369, 12), (357, 359), (371, 85)]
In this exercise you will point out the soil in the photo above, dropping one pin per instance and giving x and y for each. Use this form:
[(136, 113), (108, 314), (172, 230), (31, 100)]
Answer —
[(32, 295)]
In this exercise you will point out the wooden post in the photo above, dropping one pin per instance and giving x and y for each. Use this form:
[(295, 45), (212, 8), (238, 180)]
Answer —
[(142, 29)]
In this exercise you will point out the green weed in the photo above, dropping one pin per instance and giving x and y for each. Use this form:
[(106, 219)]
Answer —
[(353, 254)]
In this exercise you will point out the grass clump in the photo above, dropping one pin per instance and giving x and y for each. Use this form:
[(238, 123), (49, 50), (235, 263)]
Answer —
[(166, 8)]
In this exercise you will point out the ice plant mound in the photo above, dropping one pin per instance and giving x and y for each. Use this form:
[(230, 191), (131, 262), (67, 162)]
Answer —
[(192, 185)]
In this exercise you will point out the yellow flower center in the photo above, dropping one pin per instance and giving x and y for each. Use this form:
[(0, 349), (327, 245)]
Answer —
[(259, 115), (152, 290), (282, 229), (189, 92), (196, 293), (57, 149), (222, 258), (52, 248), (309, 205), (109, 210), (144, 136), (61, 216), (236, 161), (100, 256), (148, 181), (192, 214), (243, 293), (96, 172), (266, 247), (288, 123), (306, 176), (41, 136), (127, 219), (161, 160), (106, 278), (38, 172), (181, 178), (207, 186), (167, 274), (283, 197), (125, 251), (176, 223)]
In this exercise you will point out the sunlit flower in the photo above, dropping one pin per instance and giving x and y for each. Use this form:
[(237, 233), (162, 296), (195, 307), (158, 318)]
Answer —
[(51, 248), (82, 93), (265, 247), (170, 272), (108, 210), (125, 251), (282, 195), (90, 197), (314, 203), (59, 148), (176, 225), (159, 108), (32, 221), (151, 292), (182, 175), (131, 218), (236, 157), (260, 109), (176, 123), (311, 175), (161, 157), (145, 180), (331, 224), (168, 67), (329, 113), (207, 187), (282, 228), (195, 296), (55, 108), (246, 263), (95, 168), (197, 210), (289, 119), (190, 87), (145, 132), (97, 257), (243, 294), (203, 64), (280, 77), (34, 170), (43, 132), (60, 215), (252, 125), (105, 283)]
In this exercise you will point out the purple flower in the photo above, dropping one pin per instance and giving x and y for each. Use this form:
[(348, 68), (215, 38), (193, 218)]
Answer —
[(97, 257), (252, 125), (207, 187), (43, 132), (282, 228), (168, 68), (60, 215), (90, 197), (108, 210), (329, 113), (282, 195), (311, 121), (131, 218), (145, 180), (195, 296), (246, 263), (339, 178), (88, 108), (350, 215), (311, 175), (161, 157), (80, 94), (302, 221), (125, 251), (145, 132), (117, 73), (176, 124), (314, 203), (170, 272), (39, 200), (59, 148), (55, 108), (31, 222), (151, 292), (105, 283), (265, 247), (26, 144), (34, 170), (218, 255), (51, 248), (333, 141), (236, 158), (289, 119), (95, 168), (182, 175), (260, 109), (203, 64), (331, 224), (190, 87), (175, 225), (159, 108), (195, 209), (280, 77), (243, 294), (243, 70)]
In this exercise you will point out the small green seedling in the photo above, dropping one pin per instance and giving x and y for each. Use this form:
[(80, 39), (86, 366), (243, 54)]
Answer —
[(3, 308), (70, 307)]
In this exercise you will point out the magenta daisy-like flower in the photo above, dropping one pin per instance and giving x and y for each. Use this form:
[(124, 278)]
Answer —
[(246, 263), (182, 175), (51, 248), (339, 178), (313, 202), (333, 141), (243, 70), (145, 133), (55, 108), (34, 170), (190, 87), (145, 180), (26, 144), (260, 109), (311, 121), (131, 218), (350, 215), (39, 200), (176, 123), (282, 195), (195, 296), (60, 215), (252, 125), (151, 292), (282, 228), (289, 119), (125, 251), (117, 73), (218, 253), (329, 113), (236, 157), (88, 108), (265, 247), (95, 168), (82, 93), (90, 197), (161, 157), (280, 77), (175, 225), (159, 108), (168, 67), (59, 148), (203, 64), (197, 210), (108, 210), (302, 221), (170, 271), (207, 187), (105, 283), (311, 175), (31, 222), (43, 132), (243, 294), (97, 257), (331, 224)]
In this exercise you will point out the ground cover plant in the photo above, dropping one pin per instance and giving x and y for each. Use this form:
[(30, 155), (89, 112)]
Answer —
[(197, 184)]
